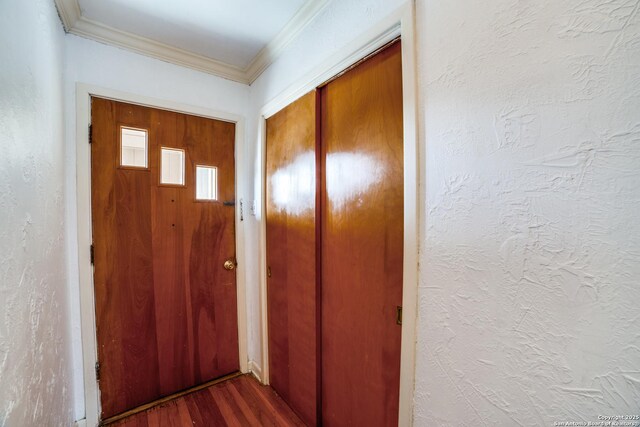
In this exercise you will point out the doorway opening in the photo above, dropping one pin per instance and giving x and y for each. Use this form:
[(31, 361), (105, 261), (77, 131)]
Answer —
[(88, 294)]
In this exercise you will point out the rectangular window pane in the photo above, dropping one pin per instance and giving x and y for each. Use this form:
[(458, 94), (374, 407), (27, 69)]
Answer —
[(206, 183), (133, 145), (172, 166)]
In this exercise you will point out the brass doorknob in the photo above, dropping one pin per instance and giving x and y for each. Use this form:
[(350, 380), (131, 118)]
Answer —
[(229, 265)]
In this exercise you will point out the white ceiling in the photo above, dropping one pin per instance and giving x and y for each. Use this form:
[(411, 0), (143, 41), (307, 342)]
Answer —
[(236, 39)]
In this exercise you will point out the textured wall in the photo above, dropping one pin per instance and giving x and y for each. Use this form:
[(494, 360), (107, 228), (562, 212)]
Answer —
[(530, 261), (35, 378), (529, 250), (530, 244), (109, 67)]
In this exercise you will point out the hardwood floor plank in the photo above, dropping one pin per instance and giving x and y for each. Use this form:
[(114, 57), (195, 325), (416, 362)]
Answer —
[(227, 411), (183, 411), (153, 417), (141, 421), (284, 414), (237, 402), (256, 400), (194, 411), (224, 398), (208, 408), (166, 415), (265, 416), (242, 403), (138, 420)]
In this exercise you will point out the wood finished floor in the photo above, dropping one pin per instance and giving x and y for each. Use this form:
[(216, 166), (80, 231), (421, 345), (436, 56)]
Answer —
[(238, 402)]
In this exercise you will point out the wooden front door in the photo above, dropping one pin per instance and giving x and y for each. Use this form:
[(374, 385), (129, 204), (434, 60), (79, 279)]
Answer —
[(162, 191), (362, 242)]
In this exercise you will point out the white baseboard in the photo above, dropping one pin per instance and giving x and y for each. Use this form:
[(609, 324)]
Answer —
[(80, 423), (255, 369)]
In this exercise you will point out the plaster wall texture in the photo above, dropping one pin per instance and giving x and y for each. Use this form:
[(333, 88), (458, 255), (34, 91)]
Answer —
[(109, 67), (35, 339), (530, 254), (529, 137)]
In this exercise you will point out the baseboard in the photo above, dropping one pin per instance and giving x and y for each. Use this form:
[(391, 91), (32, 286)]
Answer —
[(255, 369), (80, 423)]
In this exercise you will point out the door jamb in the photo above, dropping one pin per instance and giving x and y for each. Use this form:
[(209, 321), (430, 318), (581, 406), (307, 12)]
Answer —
[(399, 23), (83, 206)]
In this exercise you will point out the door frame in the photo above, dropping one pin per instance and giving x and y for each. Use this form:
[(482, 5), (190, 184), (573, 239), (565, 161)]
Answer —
[(84, 92), (401, 23)]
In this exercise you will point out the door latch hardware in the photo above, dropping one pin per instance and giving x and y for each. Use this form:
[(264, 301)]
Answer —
[(97, 371), (268, 271), (399, 315), (229, 265)]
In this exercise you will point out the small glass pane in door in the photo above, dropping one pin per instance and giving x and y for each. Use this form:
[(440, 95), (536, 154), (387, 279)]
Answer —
[(172, 166), (133, 147), (206, 183)]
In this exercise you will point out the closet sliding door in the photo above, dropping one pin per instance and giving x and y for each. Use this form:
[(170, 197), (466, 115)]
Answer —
[(335, 185), (291, 255), (362, 242)]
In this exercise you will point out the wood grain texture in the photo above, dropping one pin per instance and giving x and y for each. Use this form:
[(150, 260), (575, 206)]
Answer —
[(362, 242), (165, 308), (239, 402), (291, 254)]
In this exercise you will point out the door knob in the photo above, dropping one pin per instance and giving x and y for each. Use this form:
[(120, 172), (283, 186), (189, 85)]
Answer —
[(229, 265)]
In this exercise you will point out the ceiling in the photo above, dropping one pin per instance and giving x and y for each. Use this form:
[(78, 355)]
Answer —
[(235, 39)]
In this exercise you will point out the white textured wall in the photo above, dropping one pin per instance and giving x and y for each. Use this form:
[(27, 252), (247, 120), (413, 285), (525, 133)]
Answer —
[(530, 262), (35, 344), (530, 244), (109, 67)]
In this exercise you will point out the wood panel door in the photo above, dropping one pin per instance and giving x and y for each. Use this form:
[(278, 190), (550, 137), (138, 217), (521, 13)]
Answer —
[(291, 255), (362, 242), (166, 311)]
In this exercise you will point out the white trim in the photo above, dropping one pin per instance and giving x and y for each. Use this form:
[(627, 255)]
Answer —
[(399, 23), (80, 423), (91, 29), (254, 368), (83, 177), (69, 11), (85, 271), (274, 48), (412, 151), (264, 316), (75, 23)]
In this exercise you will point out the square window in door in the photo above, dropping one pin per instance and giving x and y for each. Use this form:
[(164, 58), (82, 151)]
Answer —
[(206, 183), (171, 166), (133, 147)]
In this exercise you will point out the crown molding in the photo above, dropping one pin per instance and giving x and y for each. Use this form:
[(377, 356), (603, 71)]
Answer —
[(103, 33), (275, 47), (69, 11), (75, 23)]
